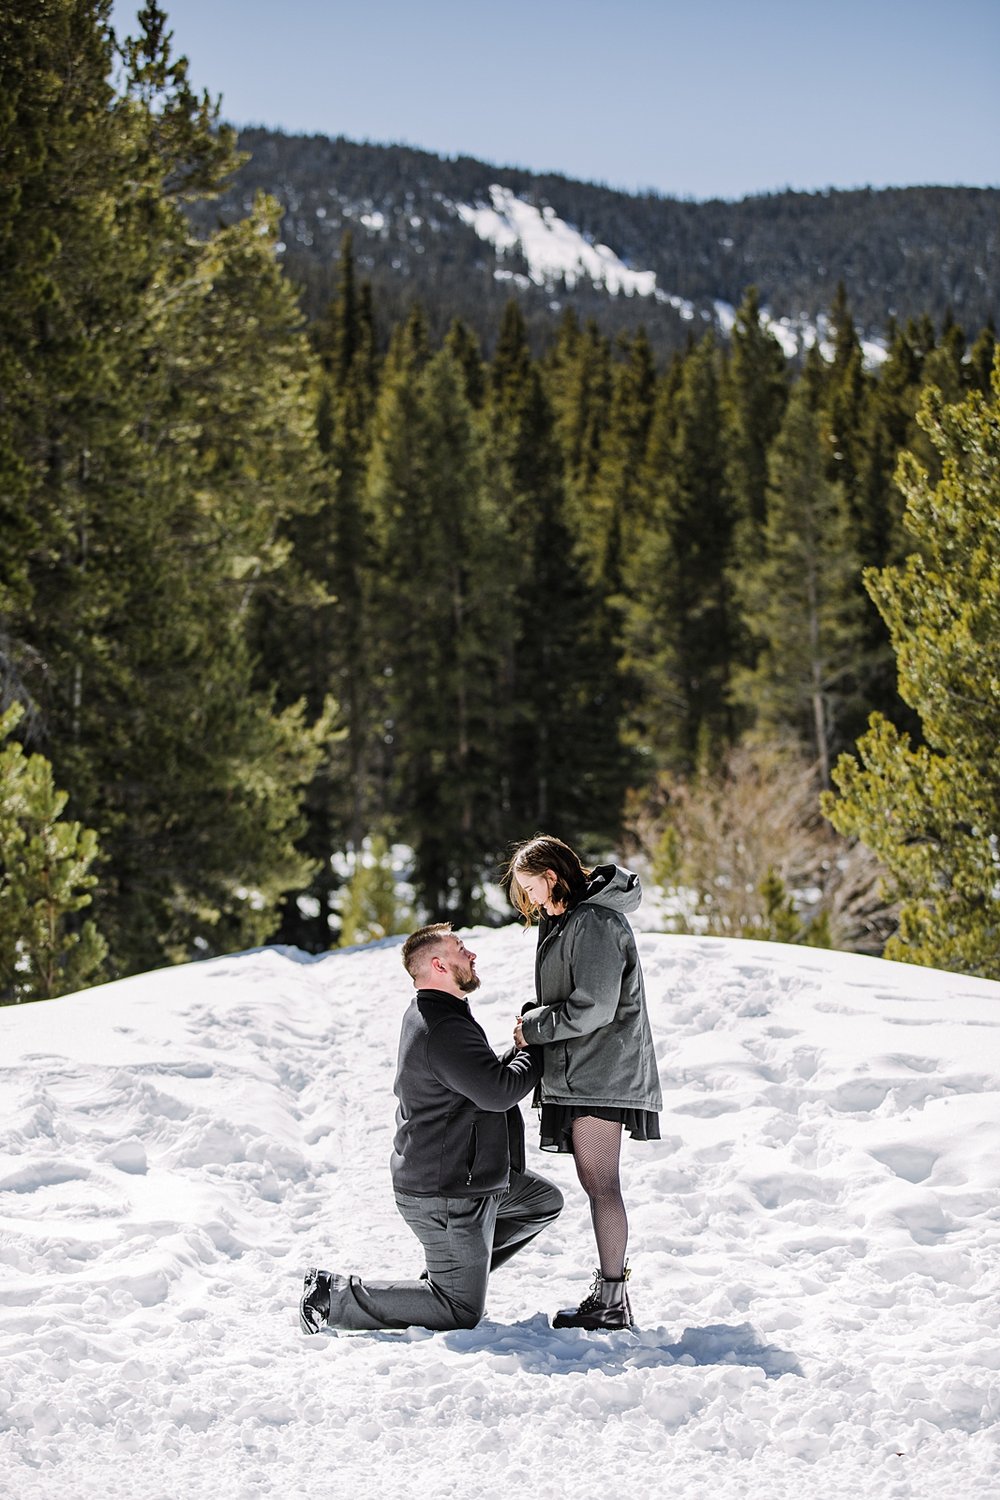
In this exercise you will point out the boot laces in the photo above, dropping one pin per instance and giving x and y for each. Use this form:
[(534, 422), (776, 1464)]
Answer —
[(593, 1300)]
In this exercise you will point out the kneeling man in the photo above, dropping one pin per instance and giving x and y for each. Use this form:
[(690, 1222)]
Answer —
[(458, 1157)]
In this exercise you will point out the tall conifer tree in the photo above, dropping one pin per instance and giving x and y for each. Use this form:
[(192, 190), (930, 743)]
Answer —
[(615, 509), (754, 395), (165, 434), (753, 399), (317, 638), (843, 413), (981, 357), (45, 881), (931, 811), (801, 602), (442, 623), (569, 768), (563, 764), (578, 382), (679, 623)]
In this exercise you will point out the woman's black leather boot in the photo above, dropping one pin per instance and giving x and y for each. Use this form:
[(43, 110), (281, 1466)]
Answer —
[(606, 1307)]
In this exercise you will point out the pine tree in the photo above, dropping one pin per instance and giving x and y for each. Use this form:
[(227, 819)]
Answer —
[(930, 811), (392, 503), (58, 178), (843, 412), (442, 624), (779, 922), (369, 904), (945, 366), (679, 623), (890, 424), (195, 774), (802, 603), (981, 358), (563, 764), (45, 880), (615, 518), (568, 762), (577, 379), (463, 346), (754, 395), (158, 432), (316, 640)]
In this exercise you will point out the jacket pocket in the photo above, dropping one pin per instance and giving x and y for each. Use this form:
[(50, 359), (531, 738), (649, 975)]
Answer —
[(470, 1158)]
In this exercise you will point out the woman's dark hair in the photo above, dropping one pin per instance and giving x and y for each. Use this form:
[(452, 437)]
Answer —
[(534, 857)]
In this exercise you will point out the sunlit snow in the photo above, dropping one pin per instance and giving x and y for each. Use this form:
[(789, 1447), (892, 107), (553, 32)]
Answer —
[(551, 247), (554, 250), (814, 1244)]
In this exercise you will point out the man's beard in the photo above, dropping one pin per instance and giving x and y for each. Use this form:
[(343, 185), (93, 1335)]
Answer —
[(468, 980)]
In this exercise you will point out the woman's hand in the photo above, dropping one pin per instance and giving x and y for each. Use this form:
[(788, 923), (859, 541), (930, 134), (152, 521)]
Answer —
[(519, 1041)]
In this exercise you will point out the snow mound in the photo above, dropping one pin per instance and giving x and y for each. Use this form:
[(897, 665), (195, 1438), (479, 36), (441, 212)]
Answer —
[(814, 1244)]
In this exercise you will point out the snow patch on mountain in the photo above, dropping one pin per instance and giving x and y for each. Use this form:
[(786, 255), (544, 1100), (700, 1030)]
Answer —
[(551, 247), (555, 251), (796, 335)]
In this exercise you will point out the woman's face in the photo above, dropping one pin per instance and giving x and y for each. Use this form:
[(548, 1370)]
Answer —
[(538, 889)]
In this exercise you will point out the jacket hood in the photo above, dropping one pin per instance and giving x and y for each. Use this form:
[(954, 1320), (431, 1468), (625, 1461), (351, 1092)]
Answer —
[(611, 885)]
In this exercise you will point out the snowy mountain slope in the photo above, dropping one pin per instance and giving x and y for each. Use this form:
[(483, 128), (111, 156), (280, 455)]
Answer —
[(814, 1244), (557, 253), (552, 248), (423, 229)]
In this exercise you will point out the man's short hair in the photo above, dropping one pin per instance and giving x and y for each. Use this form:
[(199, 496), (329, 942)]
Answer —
[(424, 937)]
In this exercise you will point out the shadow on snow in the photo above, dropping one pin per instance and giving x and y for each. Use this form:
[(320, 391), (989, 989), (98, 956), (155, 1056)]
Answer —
[(539, 1349)]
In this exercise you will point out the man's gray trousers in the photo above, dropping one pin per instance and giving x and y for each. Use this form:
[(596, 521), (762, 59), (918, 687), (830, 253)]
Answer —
[(464, 1239)]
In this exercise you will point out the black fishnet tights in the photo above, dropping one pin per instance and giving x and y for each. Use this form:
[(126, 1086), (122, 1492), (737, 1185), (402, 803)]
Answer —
[(596, 1150)]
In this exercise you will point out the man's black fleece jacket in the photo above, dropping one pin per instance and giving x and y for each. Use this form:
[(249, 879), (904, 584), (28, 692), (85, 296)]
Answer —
[(458, 1128)]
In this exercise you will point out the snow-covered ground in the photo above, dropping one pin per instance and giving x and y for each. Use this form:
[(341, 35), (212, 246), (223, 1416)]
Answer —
[(815, 1244)]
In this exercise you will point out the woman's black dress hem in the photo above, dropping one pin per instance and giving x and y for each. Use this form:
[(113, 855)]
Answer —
[(557, 1123)]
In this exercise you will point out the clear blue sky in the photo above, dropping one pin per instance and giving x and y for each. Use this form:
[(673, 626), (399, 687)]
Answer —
[(698, 98)]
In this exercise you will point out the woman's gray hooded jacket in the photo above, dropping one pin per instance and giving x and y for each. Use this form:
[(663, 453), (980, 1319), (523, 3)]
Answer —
[(591, 1013)]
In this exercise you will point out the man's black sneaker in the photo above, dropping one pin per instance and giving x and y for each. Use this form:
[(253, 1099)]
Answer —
[(314, 1308)]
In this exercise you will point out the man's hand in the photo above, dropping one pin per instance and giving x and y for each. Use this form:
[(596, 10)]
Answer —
[(519, 1041)]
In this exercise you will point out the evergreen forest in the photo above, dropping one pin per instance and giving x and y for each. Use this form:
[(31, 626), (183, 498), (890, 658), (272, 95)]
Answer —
[(285, 588)]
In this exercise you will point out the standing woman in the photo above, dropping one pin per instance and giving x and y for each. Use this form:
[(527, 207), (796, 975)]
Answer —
[(599, 1064)]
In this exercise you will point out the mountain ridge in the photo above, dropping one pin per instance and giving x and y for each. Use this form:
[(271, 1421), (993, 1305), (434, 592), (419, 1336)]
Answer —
[(901, 253)]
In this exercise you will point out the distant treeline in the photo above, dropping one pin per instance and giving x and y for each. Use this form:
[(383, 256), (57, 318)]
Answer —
[(267, 592)]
